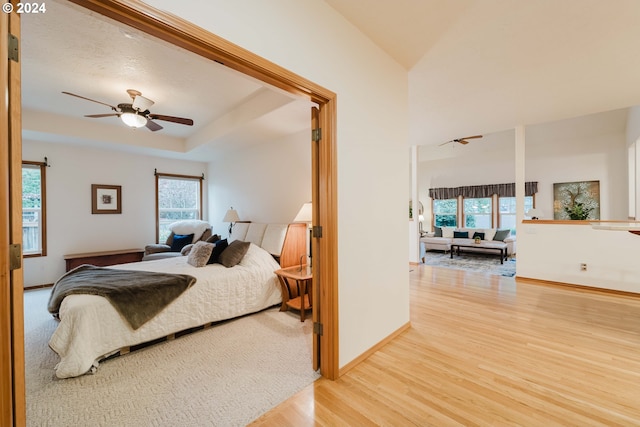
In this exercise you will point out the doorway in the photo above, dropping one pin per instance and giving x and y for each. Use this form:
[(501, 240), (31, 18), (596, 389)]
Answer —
[(183, 34)]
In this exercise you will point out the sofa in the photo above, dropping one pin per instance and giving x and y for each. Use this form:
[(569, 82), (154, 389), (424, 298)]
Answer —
[(183, 235), (442, 238)]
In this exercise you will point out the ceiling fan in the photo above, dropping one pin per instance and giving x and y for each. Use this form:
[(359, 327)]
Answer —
[(135, 114), (462, 141)]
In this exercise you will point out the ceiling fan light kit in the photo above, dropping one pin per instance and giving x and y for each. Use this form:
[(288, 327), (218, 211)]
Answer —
[(136, 114), (133, 120)]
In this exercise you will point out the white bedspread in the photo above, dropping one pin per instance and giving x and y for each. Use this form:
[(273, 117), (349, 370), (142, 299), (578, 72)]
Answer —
[(91, 329)]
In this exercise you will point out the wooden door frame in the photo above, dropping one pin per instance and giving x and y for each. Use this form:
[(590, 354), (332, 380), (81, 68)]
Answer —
[(12, 381), (182, 33)]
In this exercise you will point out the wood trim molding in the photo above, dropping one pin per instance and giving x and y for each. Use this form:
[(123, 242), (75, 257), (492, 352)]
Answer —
[(575, 222), (585, 288), (373, 349), (185, 34)]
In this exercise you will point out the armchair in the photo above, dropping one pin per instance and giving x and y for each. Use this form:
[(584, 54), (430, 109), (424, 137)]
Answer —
[(183, 235)]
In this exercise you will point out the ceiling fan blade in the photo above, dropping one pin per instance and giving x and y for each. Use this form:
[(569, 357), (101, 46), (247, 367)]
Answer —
[(153, 126), (462, 141), (179, 120), (472, 137), (445, 143), (92, 100), (97, 116)]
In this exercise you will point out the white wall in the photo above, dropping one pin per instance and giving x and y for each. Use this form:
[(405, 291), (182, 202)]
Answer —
[(554, 252), (314, 41), (590, 148), (267, 183), (71, 228)]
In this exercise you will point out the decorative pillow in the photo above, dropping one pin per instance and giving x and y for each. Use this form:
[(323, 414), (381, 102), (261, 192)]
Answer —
[(234, 253), (214, 238), (185, 251), (438, 231), (489, 233), (501, 235), (199, 254), (180, 241), (219, 246), (478, 234), (190, 226), (447, 232), (460, 234)]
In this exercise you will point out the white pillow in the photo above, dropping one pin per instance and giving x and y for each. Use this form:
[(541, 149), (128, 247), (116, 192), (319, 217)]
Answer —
[(189, 226), (448, 232), (489, 233)]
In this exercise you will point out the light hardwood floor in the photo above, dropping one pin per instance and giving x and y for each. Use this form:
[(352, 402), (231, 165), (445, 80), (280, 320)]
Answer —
[(489, 350)]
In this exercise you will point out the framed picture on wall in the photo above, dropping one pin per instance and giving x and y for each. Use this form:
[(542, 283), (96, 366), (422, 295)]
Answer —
[(106, 199), (576, 200)]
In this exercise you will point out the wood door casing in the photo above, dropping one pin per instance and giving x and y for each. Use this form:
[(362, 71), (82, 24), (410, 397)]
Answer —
[(12, 405)]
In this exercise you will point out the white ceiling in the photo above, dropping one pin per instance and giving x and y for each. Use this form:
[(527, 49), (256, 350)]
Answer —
[(481, 66), (475, 67), (74, 50)]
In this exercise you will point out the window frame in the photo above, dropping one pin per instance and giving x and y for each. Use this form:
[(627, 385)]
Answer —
[(43, 208), (434, 214), (514, 213), (160, 176), (490, 214)]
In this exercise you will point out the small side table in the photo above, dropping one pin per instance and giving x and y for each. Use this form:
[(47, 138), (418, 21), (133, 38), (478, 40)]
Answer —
[(297, 297)]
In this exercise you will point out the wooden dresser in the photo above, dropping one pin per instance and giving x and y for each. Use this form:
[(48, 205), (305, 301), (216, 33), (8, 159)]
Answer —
[(102, 259)]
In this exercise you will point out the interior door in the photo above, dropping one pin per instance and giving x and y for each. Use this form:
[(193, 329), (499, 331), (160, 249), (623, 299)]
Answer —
[(12, 403), (315, 262)]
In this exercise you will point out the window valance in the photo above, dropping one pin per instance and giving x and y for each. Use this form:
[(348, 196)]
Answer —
[(478, 191)]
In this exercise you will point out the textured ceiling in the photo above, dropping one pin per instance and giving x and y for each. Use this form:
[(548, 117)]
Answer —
[(474, 66), (74, 50)]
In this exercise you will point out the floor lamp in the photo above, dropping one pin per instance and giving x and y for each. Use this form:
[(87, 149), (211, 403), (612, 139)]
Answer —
[(305, 214)]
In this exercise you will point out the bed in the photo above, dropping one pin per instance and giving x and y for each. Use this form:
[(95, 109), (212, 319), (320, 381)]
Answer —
[(91, 329)]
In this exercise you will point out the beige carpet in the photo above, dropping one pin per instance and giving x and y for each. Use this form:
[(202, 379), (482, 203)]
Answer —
[(227, 375)]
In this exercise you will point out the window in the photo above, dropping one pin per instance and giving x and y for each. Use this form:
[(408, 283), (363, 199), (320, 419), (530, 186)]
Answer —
[(445, 212), (507, 212), (34, 236), (178, 197), (478, 212)]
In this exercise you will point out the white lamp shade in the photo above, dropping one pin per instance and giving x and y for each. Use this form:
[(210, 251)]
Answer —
[(231, 216), (133, 120), (141, 103), (305, 214)]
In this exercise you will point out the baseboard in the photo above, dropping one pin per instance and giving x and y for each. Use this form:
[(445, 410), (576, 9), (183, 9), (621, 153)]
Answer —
[(355, 362), (579, 287)]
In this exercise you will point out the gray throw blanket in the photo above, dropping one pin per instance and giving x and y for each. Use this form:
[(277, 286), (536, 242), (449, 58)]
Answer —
[(137, 295)]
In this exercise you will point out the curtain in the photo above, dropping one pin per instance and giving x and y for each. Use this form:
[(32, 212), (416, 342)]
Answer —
[(480, 191)]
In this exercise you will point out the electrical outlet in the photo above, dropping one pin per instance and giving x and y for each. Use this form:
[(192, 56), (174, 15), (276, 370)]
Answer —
[(583, 266)]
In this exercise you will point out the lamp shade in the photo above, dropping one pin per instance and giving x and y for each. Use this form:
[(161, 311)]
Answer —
[(231, 216), (305, 214), (140, 103)]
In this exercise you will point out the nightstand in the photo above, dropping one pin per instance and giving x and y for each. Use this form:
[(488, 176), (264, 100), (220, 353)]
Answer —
[(297, 288)]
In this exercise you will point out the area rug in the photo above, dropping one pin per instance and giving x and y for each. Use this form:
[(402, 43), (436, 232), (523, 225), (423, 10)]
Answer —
[(478, 263), (227, 375)]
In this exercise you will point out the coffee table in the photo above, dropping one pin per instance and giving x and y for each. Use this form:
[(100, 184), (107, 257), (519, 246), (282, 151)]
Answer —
[(499, 247)]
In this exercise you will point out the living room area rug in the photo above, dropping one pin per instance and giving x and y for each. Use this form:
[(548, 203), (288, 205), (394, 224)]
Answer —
[(478, 263)]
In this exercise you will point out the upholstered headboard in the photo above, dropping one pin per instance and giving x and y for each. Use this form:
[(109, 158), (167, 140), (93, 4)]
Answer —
[(286, 242)]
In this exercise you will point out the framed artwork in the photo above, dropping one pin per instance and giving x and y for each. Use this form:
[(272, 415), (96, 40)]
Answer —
[(576, 200), (106, 199)]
